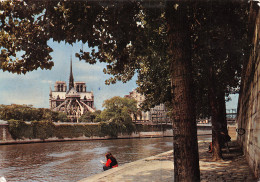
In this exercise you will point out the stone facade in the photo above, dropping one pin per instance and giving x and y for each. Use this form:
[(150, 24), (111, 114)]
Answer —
[(74, 101), (249, 98), (142, 116), (157, 114)]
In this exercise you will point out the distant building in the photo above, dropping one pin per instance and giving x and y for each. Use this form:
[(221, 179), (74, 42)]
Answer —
[(74, 101), (142, 116), (157, 114)]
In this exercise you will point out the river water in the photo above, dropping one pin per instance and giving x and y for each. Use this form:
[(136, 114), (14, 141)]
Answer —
[(72, 161)]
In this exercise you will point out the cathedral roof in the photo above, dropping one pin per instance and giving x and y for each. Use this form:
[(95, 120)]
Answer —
[(72, 93)]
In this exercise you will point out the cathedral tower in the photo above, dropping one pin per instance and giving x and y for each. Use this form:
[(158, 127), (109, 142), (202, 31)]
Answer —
[(74, 101)]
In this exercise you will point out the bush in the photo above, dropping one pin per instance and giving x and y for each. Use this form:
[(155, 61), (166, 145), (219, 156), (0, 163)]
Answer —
[(62, 117), (46, 129), (43, 129), (92, 130), (104, 128), (129, 128), (19, 129), (109, 129), (74, 131), (64, 131), (114, 127)]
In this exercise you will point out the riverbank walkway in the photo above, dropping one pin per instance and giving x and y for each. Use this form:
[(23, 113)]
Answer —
[(159, 168)]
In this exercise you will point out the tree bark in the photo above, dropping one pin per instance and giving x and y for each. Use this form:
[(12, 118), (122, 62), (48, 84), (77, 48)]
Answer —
[(216, 125), (222, 112), (185, 143)]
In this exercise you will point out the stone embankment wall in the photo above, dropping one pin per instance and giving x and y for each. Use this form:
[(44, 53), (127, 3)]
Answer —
[(249, 98), (4, 133), (154, 134), (6, 138), (232, 132)]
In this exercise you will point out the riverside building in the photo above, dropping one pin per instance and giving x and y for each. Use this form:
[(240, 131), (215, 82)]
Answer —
[(73, 100), (158, 114)]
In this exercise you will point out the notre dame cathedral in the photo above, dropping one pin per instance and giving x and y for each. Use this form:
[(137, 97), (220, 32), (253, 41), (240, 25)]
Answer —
[(74, 101)]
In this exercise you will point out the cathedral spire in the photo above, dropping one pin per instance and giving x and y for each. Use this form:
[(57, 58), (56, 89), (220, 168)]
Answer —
[(71, 80)]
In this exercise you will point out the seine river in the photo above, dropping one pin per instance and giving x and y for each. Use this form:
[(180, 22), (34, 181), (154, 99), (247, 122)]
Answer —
[(72, 161)]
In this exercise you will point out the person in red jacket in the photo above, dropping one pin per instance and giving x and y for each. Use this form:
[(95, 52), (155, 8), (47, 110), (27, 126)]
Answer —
[(111, 162)]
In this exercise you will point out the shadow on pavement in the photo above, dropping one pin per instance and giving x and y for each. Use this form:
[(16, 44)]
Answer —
[(233, 167)]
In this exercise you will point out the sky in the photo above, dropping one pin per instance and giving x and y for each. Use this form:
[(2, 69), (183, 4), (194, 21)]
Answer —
[(33, 88)]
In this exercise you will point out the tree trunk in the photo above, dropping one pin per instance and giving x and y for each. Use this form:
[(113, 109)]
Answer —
[(222, 112), (216, 125), (185, 143)]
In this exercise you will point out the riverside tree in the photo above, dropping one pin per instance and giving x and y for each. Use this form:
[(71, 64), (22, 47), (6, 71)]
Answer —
[(219, 44), (29, 113), (117, 114), (90, 117), (118, 107), (115, 31), (220, 48)]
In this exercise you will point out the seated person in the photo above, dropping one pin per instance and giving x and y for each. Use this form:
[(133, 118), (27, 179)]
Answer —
[(224, 139), (111, 162)]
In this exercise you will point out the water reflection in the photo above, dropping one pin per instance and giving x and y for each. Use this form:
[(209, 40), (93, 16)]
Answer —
[(72, 161)]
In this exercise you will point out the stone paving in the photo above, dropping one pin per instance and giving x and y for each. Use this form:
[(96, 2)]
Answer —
[(159, 168), (233, 167)]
